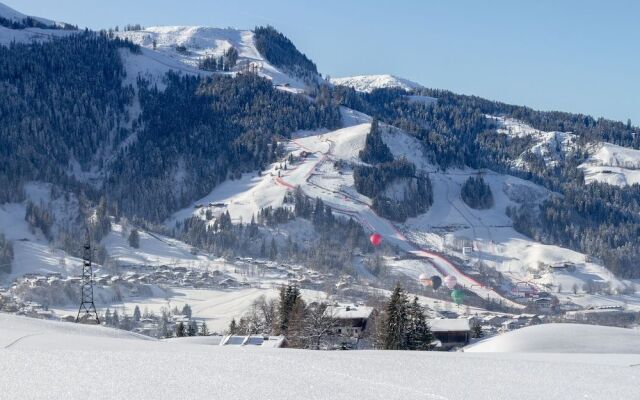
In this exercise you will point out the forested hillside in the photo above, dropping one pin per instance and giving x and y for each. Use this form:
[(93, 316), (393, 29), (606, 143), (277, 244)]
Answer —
[(198, 132), (66, 103), (282, 53), (62, 101), (151, 149), (597, 219)]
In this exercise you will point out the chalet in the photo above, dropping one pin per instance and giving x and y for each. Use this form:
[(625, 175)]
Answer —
[(228, 282), (451, 333), (510, 325), (495, 320), (604, 315), (543, 303), (563, 266), (351, 320), (524, 289), (528, 319)]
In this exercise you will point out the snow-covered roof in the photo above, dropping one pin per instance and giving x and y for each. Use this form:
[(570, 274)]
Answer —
[(449, 325), (349, 311)]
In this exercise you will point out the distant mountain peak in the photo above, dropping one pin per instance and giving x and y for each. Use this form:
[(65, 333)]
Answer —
[(368, 83), (10, 14)]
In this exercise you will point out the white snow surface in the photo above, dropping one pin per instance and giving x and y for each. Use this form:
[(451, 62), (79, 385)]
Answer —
[(32, 251), (43, 360), (200, 42), (612, 164), (562, 338), (154, 249), (8, 36), (550, 146), (432, 236), (368, 83), (11, 14)]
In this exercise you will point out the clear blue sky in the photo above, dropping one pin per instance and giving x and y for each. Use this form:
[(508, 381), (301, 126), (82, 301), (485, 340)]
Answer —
[(581, 56)]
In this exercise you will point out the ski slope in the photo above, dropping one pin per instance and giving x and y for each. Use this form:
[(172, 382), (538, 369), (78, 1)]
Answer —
[(335, 188), (43, 360), (448, 221)]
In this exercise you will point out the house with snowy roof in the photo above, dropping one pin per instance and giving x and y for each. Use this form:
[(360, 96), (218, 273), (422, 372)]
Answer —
[(351, 321), (450, 333)]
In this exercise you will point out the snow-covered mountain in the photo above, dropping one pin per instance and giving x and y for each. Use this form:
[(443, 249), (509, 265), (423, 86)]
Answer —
[(489, 233), (29, 33), (612, 164), (182, 47), (480, 247), (15, 16), (367, 83)]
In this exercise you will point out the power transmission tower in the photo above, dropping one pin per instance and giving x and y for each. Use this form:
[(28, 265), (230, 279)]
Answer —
[(87, 303)]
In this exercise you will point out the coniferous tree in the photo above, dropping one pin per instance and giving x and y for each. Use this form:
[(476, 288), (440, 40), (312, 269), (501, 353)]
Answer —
[(476, 330), (126, 322), (115, 319), (273, 250), (136, 314), (186, 311), (134, 239), (6, 255), (476, 193), (419, 334), (181, 330), (204, 330), (233, 327), (289, 310), (375, 151), (395, 322), (192, 328), (107, 318), (263, 248)]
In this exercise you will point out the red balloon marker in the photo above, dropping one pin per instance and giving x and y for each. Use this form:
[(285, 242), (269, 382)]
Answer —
[(375, 239)]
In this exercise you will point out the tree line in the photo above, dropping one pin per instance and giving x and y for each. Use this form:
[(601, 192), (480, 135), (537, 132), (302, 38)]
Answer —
[(226, 62), (476, 193), (282, 53), (400, 325)]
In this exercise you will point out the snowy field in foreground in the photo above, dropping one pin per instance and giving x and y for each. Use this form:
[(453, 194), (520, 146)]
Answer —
[(43, 360), (563, 338)]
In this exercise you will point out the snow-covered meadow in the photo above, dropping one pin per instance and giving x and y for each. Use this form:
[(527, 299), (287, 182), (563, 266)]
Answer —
[(43, 360)]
